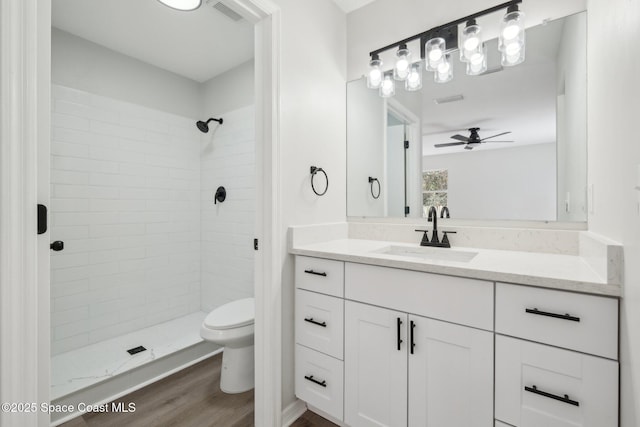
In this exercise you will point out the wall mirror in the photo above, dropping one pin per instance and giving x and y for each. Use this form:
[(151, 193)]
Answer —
[(538, 173)]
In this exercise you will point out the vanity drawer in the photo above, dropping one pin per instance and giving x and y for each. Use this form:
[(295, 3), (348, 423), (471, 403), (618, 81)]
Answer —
[(579, 322), (320, 322), (571, 389), (319, 381), (452, 299), (320, 275)]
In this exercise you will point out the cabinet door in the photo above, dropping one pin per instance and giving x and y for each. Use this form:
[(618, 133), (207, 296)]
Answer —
[(538, 385), (450, 375), (375, 363)]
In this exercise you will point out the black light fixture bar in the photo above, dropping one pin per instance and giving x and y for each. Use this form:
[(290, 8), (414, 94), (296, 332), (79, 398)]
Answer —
[(448, 31)]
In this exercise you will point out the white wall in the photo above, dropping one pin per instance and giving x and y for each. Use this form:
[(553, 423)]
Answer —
[(125, 201), (228, 160), (508, 183), (228, 91), (81, 64), (571, 118), (312, 132), (614, 158)]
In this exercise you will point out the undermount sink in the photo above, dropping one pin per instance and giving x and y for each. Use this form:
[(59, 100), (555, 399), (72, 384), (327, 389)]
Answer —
[(426, 253)]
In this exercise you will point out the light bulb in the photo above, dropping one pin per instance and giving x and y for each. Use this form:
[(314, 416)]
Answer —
[(374, 77), (471, 43), (388, 87), (444, 70), (401, 69), (511, 31), (435, 55), (414, 79), (477, 63), (513, 49)]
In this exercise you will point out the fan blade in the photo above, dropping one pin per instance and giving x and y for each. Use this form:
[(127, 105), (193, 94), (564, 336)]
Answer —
[(493, 136), (449, 144), (460, 138), (497, 141)]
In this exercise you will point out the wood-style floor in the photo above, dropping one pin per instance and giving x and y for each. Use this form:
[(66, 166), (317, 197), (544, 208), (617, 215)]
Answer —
[(189, 398)]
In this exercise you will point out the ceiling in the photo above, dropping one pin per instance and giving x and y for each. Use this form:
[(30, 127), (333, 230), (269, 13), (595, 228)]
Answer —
[(351, 5), (497, 102), (198, 45)]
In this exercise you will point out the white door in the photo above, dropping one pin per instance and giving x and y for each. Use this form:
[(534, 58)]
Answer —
[(375, 366), (450, 375), (538, 385)]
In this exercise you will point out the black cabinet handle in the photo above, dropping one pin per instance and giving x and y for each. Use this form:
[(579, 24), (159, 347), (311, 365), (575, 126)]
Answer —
[(399, 323), (313, 380), (555, 315), (565, 399), (310, 320), (316, 273), (412, 343)]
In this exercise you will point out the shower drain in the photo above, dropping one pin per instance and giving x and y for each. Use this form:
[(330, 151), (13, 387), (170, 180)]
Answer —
[(136, 350)]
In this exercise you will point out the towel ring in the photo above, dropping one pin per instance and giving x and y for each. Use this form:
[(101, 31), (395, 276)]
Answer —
[(315, 170), (371, 181)]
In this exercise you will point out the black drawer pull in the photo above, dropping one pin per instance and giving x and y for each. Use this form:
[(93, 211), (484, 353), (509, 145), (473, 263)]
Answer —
[(316, 273), (399, 323), (313, 380), (315, 322), (557, 316), (565, 399)]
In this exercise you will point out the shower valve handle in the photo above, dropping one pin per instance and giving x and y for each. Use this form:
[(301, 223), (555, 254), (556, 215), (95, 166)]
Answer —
[(57, 246)]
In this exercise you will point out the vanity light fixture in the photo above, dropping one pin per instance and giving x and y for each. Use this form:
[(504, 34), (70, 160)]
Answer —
[(438, 44), (184, 5)]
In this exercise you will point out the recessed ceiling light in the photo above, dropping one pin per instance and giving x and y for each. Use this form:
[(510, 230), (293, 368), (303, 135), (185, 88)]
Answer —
[(185, 5), (447, 99)]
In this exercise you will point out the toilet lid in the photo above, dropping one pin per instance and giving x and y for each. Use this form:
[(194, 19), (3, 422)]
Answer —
[(231, 315)]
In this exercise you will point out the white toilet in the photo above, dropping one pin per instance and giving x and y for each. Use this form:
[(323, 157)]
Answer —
[(231, 326)]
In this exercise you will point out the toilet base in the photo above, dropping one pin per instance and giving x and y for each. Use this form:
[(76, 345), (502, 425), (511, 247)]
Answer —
[(237, 373)]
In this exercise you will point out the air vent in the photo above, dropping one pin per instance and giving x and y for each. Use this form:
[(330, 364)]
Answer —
[(136, 350), (224, 9), (446, 99)]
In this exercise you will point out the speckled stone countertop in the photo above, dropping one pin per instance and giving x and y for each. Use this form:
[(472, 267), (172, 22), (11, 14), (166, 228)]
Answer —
[(547, 270)]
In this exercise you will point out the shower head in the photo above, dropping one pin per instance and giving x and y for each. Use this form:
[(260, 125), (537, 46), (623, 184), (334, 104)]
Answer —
[(204, 126)]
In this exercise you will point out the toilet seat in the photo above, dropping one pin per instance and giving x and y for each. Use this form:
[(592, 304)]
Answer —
[(235, 314)]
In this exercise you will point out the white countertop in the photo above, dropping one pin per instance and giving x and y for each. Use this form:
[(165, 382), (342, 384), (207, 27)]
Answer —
[(556, 271)]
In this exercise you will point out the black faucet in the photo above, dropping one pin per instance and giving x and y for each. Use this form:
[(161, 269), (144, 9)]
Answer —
[(435, 241), (433, 217)]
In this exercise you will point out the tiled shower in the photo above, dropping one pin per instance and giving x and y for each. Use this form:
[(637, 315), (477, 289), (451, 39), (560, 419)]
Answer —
[(132, 199)]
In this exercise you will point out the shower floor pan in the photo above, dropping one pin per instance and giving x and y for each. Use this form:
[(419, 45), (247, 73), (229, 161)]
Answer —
[(104, 371)]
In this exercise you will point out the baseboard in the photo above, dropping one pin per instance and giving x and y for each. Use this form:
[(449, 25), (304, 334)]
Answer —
[(293, 412)]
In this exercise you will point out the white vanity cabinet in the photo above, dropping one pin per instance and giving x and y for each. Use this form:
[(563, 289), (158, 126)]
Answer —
[(380, 346)]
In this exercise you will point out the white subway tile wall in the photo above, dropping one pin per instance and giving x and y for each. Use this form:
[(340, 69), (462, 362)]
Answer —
[(125, 188), (228, 160)]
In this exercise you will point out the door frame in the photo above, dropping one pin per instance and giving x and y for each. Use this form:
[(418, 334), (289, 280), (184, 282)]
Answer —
[(25, 88)]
